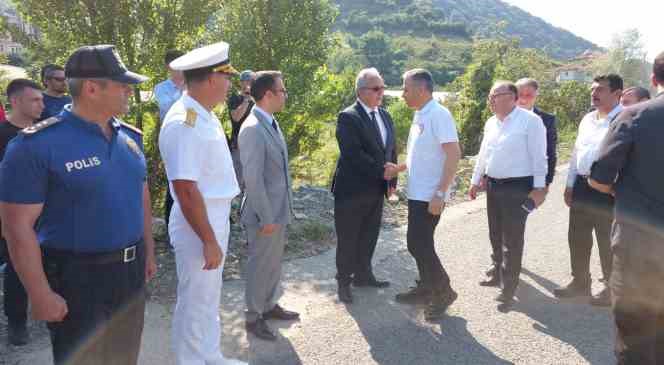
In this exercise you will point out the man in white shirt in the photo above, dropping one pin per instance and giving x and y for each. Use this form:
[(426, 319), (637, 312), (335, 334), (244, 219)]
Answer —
[(202, 181), (590, 210), (513, 159), (433, 156)]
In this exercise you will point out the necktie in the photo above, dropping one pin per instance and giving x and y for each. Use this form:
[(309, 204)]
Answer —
[(274, 125), (373, 118)]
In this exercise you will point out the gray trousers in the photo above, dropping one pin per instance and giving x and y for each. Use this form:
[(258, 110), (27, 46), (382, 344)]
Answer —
[(263, 271)]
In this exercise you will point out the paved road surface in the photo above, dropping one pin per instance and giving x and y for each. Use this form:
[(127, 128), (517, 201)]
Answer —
[(376, 330)]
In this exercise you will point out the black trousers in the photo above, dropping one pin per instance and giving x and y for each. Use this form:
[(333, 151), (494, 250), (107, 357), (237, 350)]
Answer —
[(357, 220), (590, 211), (507, 224), (421, 228), (106, 305), (15, 299), (637, 288)]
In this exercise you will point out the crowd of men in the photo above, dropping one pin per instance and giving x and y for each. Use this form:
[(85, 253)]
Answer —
[(76, 211)]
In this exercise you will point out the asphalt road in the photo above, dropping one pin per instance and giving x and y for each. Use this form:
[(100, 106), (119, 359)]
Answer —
[(376, 330)]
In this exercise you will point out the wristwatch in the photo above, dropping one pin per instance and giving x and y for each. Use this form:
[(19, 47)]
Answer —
[(440, 194)]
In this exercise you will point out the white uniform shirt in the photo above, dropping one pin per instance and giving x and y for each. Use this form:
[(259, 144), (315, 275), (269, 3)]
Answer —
[(432, 126), (514, 147), (197, 152), (592, 130), (379, 121)]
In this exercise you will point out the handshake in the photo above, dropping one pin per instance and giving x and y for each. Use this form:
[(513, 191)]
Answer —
[(392, 170)]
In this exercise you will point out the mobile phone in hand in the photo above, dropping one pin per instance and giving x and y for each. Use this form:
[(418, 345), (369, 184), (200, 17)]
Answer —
[(528, 205)]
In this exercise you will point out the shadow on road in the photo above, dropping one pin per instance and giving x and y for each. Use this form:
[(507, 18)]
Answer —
[(588, 329), (396, 336)]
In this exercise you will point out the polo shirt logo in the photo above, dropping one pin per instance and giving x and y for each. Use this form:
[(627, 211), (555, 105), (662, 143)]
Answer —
[(83, 164)]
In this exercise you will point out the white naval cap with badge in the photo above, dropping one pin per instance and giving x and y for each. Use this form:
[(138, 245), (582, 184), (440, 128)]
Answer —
[(214, 55)]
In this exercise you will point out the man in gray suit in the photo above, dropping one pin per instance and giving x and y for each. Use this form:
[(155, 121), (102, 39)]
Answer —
[(266, 209)]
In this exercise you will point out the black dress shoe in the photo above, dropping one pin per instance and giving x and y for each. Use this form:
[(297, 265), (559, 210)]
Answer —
[(576, 288), (506, 301), (415, 295), (439, 304), (372, 282), (491, 271), (281, 314), (491, 281), (602, 299), (18, 334), (345, 295), (260, 329)]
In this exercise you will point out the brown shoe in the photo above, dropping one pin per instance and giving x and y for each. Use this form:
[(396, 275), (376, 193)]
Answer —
[(260, 329)]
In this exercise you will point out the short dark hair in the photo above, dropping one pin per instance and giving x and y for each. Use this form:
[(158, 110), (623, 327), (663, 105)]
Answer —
[(197, 74), (421, 76), (509, 85), (263, 82), (172, 54), (17, 86), (640, 92), (614, 80), (47, 71), (658, 68), (527, 81)]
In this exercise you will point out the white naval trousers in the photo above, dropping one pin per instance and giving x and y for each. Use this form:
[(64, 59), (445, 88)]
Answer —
[(196, 334)]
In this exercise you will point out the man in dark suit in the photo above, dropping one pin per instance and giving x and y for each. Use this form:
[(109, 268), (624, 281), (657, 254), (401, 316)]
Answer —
[(528, 91), (629, 167), (366, 173)]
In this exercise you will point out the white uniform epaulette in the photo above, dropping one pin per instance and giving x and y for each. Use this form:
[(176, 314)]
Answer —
[(131, 127), (41, 125)]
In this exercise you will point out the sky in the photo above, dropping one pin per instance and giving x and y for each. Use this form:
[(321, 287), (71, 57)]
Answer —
[(597, 20)]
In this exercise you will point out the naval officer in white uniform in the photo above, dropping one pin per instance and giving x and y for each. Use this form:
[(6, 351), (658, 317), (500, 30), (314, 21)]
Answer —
[(202, 181)]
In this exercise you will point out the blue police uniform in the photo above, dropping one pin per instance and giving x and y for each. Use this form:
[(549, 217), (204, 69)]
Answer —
[(53, 105), (91, 189)]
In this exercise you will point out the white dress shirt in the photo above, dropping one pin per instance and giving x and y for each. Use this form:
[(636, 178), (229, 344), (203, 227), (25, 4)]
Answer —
[(514, 147), (432, 126), (379, 121), (592, 130)]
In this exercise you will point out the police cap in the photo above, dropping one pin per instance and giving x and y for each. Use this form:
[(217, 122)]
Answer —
[(100, 61)]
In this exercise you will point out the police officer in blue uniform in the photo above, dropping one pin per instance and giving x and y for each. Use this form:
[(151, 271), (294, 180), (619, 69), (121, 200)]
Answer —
[(83, 173)]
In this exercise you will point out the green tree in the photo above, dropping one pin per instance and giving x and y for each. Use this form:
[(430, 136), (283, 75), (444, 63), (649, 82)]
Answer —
[(142, 30), (292, 36), (627, 58)]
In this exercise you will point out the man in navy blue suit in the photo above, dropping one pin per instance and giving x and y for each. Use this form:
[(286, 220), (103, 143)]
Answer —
[(528, 90)]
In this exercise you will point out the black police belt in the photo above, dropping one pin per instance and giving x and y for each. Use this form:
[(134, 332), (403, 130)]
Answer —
[(125, 255)]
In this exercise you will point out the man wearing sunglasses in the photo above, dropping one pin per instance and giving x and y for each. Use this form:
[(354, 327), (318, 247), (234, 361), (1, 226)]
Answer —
[(365, 175), (55, 98)]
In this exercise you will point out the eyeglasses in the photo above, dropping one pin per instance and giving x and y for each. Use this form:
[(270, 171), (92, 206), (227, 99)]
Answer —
[(61, 79), (494, 96), (375, 88)]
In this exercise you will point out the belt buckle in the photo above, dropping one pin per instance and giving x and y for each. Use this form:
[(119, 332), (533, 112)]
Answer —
[(129, 254)]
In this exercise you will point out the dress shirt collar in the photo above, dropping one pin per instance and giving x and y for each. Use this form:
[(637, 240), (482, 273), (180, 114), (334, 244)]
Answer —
[(509, 116), (426, 107), (616, 109), (367, 109), (265, 114)]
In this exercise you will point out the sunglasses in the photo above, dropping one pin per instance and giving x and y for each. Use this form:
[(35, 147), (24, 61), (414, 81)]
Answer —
[(375, 88), (61, 79)]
